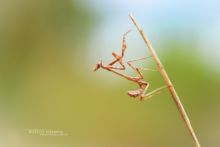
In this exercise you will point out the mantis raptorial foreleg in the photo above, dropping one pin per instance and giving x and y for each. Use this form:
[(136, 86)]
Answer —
[(143, 88)]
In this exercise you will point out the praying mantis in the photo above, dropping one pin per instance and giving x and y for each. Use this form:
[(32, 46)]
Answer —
[(139, 79)]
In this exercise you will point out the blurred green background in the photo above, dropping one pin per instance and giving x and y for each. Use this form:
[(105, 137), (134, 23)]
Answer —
[(49, 47)]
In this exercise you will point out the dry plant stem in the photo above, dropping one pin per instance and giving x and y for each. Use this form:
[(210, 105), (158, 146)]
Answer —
[(169, 84)]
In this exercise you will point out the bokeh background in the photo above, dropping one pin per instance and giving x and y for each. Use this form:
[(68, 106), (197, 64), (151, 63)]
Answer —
[(48, 49)]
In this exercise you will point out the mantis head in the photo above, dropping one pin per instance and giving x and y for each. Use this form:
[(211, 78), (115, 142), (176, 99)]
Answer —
[(98, 65)]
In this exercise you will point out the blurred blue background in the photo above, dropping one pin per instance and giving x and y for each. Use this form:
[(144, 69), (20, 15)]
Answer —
[(48, 49)]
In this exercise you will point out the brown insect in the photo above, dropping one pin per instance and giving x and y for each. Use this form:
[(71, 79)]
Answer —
[(139, 79)]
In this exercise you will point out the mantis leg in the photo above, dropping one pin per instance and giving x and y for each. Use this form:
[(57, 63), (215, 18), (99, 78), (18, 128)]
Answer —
[(152, 93), (137, 69), (118, 73), (118, 58)]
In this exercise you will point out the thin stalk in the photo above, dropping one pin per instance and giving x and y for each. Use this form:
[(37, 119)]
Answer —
[(169, 84)]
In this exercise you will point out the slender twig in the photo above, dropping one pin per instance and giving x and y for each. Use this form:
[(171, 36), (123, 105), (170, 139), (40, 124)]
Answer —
[(169, 84)]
